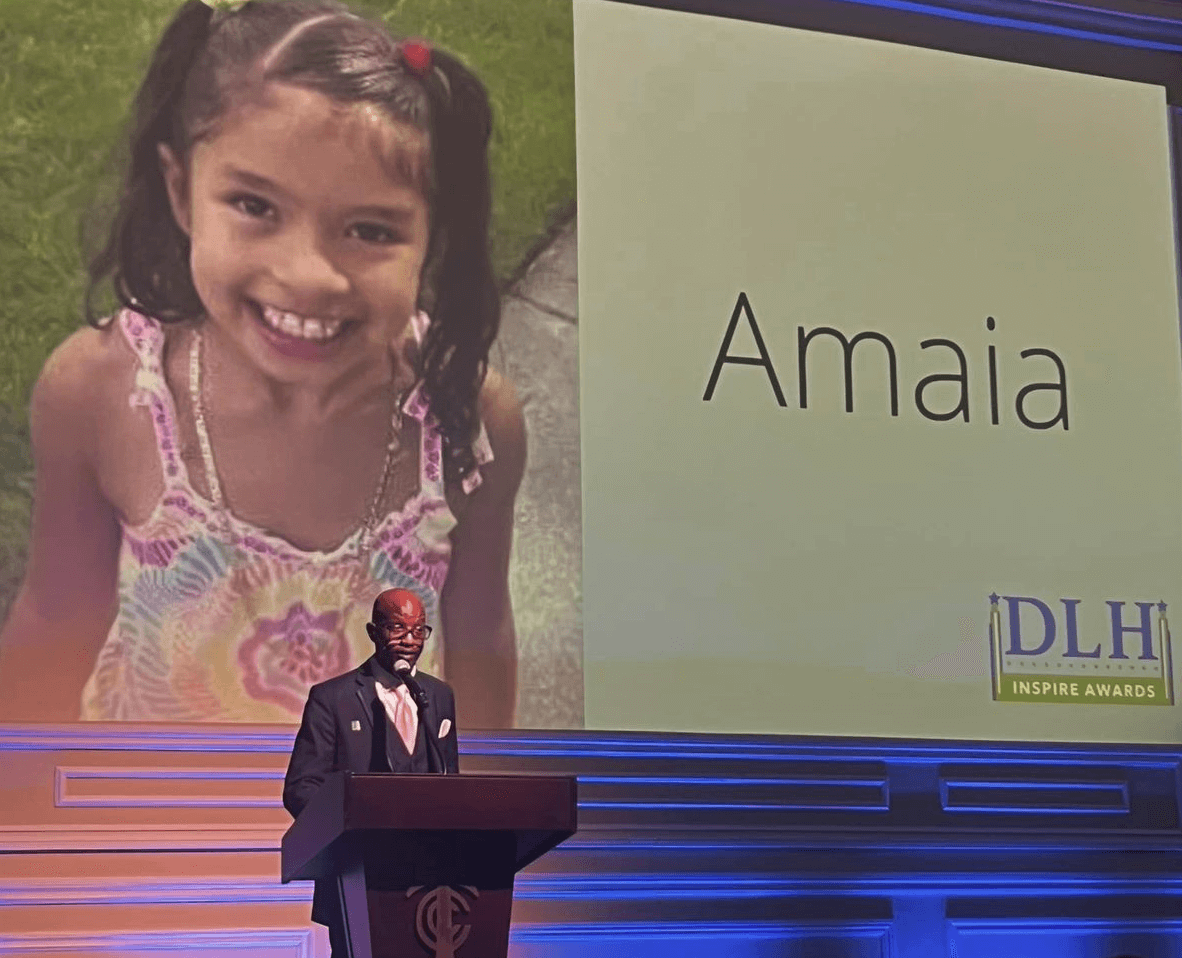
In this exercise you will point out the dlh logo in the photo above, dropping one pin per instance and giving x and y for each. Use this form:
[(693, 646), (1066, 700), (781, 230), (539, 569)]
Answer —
[(1038, 654)]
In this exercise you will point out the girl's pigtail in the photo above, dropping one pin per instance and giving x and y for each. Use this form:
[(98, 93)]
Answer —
[(466, 311), (146, 254)]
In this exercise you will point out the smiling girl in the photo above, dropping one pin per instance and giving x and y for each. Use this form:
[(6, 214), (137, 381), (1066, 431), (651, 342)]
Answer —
[(293, 411)]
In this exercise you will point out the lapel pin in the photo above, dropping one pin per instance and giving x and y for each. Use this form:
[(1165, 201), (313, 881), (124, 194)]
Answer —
[(355, 725)]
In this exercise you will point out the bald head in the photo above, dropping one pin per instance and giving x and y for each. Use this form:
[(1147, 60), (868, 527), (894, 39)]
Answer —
[(400, 602), (399, 627)]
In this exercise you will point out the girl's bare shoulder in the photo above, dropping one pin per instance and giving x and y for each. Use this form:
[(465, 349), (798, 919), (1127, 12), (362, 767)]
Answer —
[(84, 379)]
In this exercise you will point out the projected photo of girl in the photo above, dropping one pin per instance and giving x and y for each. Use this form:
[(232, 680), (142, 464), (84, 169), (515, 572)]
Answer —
[(292, 407)]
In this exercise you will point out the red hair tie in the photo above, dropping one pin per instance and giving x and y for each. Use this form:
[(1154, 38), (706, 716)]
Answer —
[(417, 57)]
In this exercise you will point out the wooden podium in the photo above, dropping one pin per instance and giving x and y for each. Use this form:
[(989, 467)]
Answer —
[(424, 864)]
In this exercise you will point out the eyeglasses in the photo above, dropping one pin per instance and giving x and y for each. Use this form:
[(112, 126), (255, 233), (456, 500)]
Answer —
[(400, 631)]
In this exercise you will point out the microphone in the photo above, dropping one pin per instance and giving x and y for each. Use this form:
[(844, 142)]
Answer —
[(402, 670)]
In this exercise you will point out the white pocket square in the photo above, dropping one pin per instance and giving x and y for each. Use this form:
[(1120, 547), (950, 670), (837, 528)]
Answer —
[(355, 725), (444, 727)]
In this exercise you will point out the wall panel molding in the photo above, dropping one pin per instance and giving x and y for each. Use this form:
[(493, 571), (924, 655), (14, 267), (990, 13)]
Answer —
[(140, 838), (859, 934), (149, 891), (118, 786), (971, 791), (280, 943), (1131, 935)]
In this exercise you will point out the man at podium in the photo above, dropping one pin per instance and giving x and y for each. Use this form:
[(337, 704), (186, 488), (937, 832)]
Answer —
[(384, 716)]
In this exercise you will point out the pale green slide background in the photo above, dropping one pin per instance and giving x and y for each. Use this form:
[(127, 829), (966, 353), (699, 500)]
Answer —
[(753, 568)]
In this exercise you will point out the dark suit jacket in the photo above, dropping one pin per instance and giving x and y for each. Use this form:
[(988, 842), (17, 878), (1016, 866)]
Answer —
[(337, 734)]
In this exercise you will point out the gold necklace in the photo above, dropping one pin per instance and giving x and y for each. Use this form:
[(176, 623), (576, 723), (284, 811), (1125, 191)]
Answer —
[(196, 396)]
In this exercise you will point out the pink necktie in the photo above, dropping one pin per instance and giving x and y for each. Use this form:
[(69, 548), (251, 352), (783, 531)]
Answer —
[(406, 719)]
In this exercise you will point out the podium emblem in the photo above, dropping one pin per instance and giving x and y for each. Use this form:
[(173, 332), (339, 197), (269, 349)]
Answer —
[(439, 920)]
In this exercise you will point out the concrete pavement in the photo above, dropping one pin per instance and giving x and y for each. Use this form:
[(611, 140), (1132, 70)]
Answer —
[(537, 349)]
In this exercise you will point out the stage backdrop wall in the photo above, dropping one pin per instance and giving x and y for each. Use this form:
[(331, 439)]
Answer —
[(880, 387)]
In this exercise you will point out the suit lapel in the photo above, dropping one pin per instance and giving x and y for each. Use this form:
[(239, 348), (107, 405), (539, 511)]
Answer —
[(366, 696)]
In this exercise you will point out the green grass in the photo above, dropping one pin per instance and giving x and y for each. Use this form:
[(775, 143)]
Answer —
[(68, 70), (16, 496)]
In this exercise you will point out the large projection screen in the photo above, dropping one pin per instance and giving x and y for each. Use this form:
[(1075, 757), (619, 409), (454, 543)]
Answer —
[(870, 334)]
